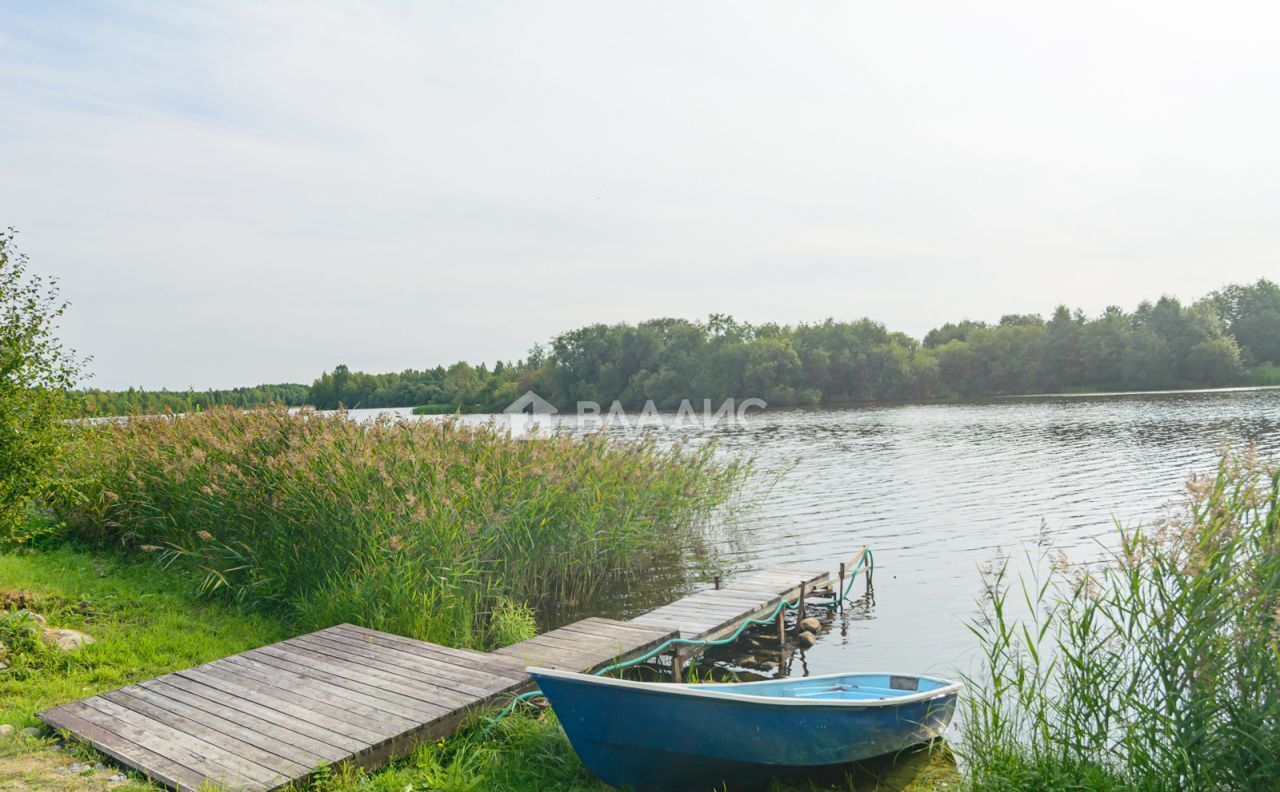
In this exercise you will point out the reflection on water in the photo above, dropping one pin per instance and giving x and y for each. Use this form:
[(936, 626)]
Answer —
[(937, 490)]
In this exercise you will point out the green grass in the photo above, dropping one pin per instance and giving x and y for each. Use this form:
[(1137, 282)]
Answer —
[(1158, 670), (144, 624)]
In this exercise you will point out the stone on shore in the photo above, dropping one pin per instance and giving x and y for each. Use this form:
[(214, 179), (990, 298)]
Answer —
[(66, 640)]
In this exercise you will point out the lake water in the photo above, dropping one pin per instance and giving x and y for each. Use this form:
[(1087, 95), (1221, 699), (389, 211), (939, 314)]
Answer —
[(939, 490)]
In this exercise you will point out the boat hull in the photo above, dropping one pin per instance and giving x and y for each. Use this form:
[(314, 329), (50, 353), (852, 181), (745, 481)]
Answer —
[(648, 738)]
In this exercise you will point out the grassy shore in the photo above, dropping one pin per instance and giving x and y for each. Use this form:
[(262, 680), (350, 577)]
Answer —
[(424, 529), (148, 620)]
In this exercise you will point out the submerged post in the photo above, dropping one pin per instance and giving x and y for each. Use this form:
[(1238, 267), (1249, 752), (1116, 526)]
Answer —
[(869, 570), (840, 590), (717, 582)]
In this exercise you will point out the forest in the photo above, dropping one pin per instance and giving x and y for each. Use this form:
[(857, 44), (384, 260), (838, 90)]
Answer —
[(1229, 337), (136, 401)]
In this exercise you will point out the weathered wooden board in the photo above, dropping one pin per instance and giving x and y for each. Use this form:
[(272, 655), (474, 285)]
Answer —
[(587, 645), (709, 615), (271, 716)]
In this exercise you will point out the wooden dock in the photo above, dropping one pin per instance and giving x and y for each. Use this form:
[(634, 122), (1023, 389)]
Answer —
[(271, 716)]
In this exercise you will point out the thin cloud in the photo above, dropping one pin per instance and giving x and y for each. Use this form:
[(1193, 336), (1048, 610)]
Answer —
[(244, 192)]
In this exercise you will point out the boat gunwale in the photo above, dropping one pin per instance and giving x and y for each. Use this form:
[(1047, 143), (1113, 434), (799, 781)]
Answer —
[(699, 690)]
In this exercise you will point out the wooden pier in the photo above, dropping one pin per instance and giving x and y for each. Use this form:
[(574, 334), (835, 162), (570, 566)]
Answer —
[(271, 716)]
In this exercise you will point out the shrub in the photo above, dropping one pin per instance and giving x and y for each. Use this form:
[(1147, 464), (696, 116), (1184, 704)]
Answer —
[(1159, 670), (35, 371), (420, 528)]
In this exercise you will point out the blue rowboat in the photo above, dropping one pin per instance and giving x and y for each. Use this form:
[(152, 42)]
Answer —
[(666, 736)]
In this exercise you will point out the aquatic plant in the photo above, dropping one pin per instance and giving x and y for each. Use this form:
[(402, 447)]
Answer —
[(1157, 670), (420, 528)]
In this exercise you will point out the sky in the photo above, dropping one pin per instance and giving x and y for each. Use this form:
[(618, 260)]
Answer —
[(236, 193)]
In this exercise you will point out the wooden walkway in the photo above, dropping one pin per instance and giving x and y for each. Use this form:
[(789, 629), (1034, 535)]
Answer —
[(269, 717), (716, 613)]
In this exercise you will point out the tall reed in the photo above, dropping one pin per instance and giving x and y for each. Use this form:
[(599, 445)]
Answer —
[(414, 527), (1157, 670)]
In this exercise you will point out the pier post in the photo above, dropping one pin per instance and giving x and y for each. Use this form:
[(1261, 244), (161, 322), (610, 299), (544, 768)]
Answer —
[(782, 626), (717, 582), (840, 591), (800, 607), (677, 666)]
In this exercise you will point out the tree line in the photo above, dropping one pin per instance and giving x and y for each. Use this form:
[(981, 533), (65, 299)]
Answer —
[(1230, 337), (135, 401)]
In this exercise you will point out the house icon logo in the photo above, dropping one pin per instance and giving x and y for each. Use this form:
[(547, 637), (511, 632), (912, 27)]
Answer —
[(531, 404)]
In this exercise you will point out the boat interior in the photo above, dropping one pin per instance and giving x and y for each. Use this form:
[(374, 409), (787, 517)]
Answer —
[(843, 688)]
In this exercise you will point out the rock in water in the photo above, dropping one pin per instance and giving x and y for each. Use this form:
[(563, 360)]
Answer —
[(66, 640), (811, 625), (806, 639)]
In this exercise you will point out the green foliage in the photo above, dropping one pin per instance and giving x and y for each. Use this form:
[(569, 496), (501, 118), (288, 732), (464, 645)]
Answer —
[(23, 651), (1157, 671), (1223, 339), (35, 373), (1160, 345), (1214, 362), (1251, 314), (135, 401), (512, 622), (1266, 374), (416, 528)]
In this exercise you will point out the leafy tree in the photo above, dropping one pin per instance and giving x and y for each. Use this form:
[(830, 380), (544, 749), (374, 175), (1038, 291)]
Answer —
[(951, 332), (1214, 362), (1251, 314), (36, 372)]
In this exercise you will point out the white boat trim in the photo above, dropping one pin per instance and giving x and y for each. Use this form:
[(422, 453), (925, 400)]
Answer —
[(698, 690)]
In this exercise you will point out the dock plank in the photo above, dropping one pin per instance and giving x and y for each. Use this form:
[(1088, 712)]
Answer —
[(714, 614), (162, 768)]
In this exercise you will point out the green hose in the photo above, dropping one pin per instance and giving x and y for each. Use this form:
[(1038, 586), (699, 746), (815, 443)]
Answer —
[(844, 597)]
